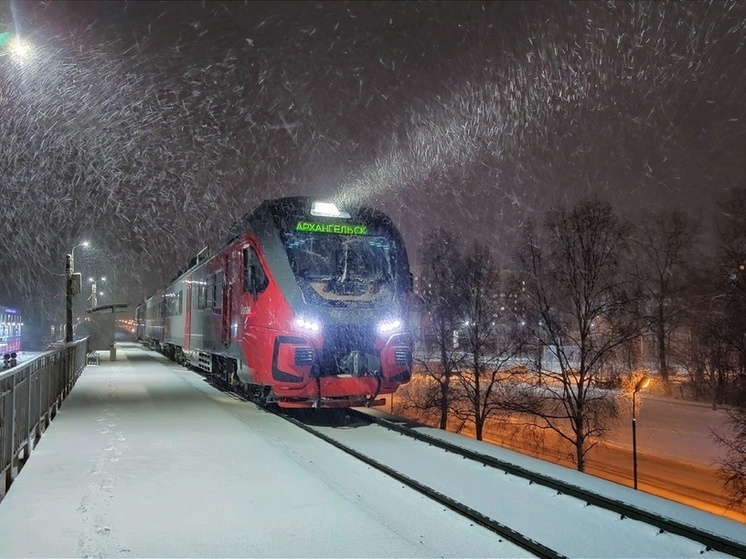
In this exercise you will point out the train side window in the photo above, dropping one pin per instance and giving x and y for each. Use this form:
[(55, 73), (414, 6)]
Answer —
[(202, 295), (210, 291), (217, 301), (254, 278)]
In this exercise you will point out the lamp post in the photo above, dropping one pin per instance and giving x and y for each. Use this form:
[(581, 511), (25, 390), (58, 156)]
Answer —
[(68, 298), (72, 253), (94, 290), (69, 277), (642, 383)]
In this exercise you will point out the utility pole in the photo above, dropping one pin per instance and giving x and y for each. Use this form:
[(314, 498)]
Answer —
[(68, 299)]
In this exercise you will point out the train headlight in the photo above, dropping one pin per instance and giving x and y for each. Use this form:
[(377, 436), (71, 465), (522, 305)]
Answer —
[(328, 209), (308, 324), (388, 326)]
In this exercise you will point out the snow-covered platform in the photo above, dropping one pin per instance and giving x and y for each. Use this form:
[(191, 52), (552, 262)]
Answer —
[(146, 459)]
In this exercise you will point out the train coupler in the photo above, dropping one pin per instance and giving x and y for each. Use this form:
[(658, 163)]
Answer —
[(371, 401)]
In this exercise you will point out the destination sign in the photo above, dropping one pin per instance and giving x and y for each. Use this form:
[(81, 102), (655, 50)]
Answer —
[(333, 228)]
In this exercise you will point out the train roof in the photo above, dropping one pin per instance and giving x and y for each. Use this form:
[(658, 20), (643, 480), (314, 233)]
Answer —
[(289, 207), (299, 207)]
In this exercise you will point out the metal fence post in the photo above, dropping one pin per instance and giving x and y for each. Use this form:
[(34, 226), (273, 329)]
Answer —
[(13, 391), (29, 438)]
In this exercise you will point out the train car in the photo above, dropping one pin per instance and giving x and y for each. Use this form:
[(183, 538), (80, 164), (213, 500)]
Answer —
[(306, 305)]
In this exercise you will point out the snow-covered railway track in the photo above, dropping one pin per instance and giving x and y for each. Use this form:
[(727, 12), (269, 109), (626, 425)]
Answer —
[(491, 524), (541, 514), (545, 516), (710, 540)]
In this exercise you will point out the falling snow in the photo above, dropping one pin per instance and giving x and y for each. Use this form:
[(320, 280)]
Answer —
[(149, 128)]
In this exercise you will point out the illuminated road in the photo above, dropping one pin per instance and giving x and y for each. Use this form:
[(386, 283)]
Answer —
[(689, 484), (676, 454)]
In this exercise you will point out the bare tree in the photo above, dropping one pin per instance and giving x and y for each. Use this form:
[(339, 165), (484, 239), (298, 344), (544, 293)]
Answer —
[(732, 256), (732, 319), (580, 303), (491, 339), (444, 308), (665, 242), (706, 354), (732, 467), (720, 323)]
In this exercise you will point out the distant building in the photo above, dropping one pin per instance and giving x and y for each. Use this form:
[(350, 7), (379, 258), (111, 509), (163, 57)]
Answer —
[(511, 298), (11, 326)]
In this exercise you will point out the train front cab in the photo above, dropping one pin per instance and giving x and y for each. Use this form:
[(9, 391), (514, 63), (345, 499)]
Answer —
[(314, 348)]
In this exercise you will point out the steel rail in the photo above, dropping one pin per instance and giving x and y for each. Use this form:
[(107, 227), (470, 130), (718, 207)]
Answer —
[(664, 524), (498, 528), (494, 526)]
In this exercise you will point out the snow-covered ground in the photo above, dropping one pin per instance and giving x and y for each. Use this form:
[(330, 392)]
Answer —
[(147, 459), (563, 523)]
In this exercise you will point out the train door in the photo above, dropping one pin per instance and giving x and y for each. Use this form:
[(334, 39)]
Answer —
[(187, 307), (235, 294), (163, 315), (215, 304), (229, 325), (254, 311), (253, 304)]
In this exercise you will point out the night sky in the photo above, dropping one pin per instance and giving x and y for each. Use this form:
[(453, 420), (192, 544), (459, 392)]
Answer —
[(149, 127)]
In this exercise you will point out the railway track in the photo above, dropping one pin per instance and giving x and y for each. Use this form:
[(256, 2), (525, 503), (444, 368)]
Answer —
[(498, 528), (625, 510), (707, 543)]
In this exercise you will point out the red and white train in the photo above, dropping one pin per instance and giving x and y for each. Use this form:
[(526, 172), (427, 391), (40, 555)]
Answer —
[(306, 305)]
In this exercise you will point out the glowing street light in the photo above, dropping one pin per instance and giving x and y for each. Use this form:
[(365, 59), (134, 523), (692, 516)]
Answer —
[(641, 384), (15, 47), (20, 49), (85, 244)]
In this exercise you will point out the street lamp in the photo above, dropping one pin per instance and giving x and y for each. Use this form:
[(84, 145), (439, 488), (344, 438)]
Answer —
[(72, 253), (18, 49), (70, 291), (641, 384)]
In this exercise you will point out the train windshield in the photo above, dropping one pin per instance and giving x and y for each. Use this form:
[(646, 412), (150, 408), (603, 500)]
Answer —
[(343, 269)]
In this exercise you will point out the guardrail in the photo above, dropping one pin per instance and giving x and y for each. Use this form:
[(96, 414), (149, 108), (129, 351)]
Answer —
[(30, 395)]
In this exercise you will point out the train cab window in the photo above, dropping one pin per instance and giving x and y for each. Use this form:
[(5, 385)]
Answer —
[(181, 302), (254, 277)]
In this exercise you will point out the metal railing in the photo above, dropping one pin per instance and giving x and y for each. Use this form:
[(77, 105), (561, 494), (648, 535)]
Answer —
[(30, 395)]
